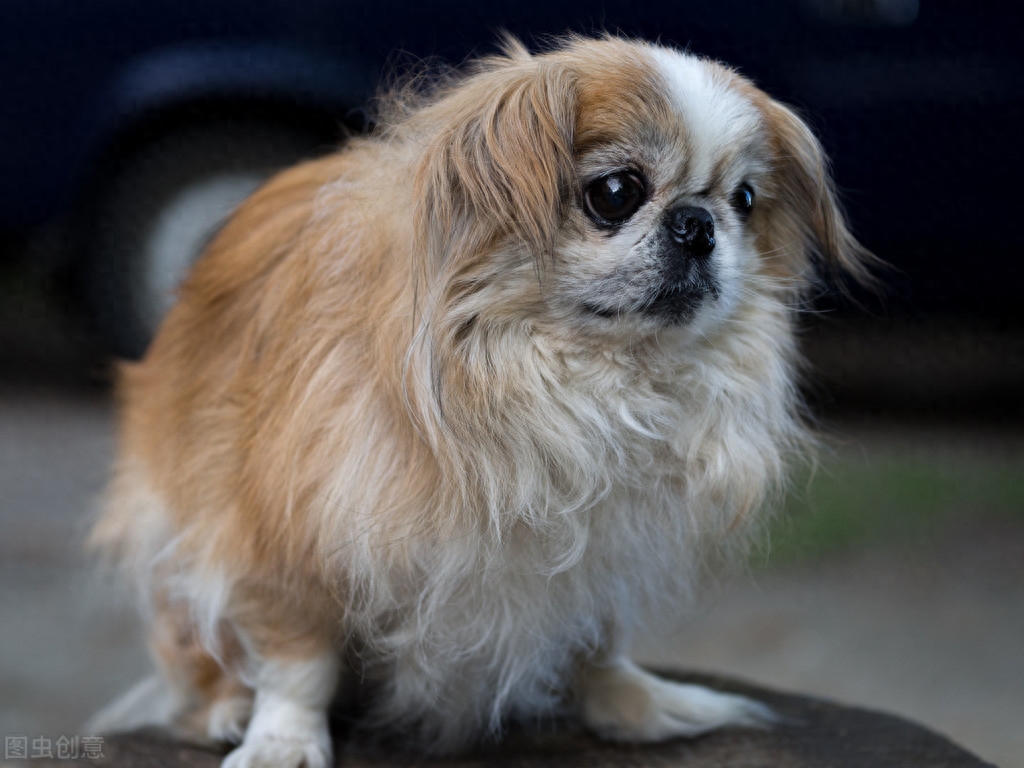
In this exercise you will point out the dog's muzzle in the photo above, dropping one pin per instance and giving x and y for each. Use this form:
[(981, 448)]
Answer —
[(688, 276)]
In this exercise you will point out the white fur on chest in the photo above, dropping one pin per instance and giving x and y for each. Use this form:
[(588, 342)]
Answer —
[(491, 622), (493, 631)]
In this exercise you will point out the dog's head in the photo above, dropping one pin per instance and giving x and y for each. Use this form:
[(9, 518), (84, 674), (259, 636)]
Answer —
[(612, 186)]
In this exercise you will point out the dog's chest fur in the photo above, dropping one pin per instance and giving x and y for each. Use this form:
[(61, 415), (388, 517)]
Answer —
[(614, 487)]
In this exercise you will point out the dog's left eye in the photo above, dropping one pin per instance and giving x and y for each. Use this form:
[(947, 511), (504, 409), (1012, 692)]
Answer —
[(612, 199)]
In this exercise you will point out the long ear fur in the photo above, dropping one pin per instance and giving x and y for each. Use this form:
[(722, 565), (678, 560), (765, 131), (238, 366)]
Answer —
[(808, 197), (500, 165)]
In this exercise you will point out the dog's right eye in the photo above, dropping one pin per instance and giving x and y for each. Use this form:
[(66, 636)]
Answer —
[(612, 199)]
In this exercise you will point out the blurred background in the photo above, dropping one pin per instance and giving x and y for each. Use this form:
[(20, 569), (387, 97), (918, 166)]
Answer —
[(895, 576)]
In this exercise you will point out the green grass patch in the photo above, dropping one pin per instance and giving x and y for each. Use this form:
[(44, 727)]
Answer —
[(849, 503)]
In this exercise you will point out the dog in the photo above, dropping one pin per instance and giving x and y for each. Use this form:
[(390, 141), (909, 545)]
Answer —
[(453, 411)]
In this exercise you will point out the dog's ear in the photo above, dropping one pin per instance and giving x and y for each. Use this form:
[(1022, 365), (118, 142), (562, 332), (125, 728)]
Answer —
[(501, 162), (808, 211)]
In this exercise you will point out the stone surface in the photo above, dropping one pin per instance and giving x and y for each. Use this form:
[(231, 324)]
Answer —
[(816, 734)]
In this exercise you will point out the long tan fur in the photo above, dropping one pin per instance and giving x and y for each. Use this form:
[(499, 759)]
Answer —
[(378, 422)]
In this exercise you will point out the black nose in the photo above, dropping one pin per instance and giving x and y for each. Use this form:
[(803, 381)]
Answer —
[(693, 228)]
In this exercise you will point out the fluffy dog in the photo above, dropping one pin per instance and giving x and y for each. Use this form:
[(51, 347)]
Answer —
[(466, 402)]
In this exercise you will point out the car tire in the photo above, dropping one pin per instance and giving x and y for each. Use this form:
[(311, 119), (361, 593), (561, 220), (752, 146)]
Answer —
[(159, 209)]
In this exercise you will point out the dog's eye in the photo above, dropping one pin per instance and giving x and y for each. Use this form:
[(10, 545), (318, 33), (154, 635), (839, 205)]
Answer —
[(743, 199), (614, 198)]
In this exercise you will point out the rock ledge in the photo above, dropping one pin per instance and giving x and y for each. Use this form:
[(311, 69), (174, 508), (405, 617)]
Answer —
[(817, 734)]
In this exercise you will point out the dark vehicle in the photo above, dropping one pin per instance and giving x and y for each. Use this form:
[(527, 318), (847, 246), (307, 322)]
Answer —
[(138, 126)]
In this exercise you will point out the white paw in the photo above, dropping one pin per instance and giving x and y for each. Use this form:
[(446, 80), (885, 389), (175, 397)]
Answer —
[(288, 738), (228, 719), (625, 703), (268, 751)]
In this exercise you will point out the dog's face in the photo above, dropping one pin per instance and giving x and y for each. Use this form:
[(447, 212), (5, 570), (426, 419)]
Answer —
[(615, 186), (662, 231)]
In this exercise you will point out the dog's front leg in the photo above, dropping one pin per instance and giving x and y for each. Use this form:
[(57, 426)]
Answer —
[(289, 719), (293, 665)]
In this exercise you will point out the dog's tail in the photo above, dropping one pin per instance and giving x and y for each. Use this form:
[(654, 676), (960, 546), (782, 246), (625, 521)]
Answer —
[(151, 701)]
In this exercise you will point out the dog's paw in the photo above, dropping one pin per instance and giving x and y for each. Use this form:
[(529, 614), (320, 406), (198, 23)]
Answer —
[(278, 752), (622, 702), (288, 743)]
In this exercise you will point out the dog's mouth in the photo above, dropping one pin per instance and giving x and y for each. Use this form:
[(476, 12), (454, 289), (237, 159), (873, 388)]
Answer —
[(677, 302), (675, 299)]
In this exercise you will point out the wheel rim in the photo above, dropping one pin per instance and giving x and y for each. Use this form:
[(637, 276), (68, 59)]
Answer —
[(179, 233)]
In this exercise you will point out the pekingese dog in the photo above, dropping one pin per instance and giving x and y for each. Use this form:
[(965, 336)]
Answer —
[(456, 409)]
